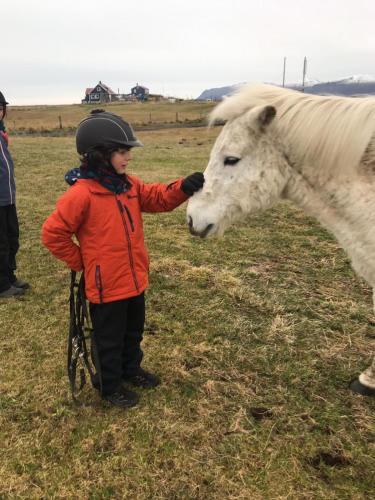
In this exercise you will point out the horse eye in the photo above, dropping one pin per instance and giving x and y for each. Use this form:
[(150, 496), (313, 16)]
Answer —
[(231, 160)]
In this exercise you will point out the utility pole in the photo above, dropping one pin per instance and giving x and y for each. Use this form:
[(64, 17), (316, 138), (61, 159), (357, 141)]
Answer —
[(284, 71), (304, 74)]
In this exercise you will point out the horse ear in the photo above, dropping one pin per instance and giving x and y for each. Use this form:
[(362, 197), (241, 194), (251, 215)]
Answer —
[(260, 117), (266, 115)]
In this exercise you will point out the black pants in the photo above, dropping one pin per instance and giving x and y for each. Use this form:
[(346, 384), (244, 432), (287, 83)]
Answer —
[(9, 237), (118, 332)]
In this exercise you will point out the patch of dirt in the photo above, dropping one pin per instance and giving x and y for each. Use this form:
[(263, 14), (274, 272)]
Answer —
[(336, 458)]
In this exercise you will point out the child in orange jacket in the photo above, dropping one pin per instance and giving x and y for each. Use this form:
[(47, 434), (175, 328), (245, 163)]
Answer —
[(103, 209)]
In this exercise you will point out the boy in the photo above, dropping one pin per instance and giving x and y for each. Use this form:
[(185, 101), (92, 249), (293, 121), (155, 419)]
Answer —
[(103, 210), (10, 286)]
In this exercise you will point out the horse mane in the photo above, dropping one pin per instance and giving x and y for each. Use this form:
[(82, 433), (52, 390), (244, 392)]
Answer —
[(329, 133)]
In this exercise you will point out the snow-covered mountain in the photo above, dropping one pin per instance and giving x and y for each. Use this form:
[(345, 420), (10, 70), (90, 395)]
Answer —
[(348, 86), (358, 79), (309, 82)]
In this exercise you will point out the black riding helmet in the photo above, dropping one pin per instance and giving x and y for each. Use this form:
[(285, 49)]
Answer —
[(2, 99), (102, 129)]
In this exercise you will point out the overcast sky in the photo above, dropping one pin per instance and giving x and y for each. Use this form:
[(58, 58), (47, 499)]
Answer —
[(52, 50)]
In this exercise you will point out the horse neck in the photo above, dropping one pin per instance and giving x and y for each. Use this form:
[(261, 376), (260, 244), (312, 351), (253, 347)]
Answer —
[(346, 208), (304, 194), (331, 199)]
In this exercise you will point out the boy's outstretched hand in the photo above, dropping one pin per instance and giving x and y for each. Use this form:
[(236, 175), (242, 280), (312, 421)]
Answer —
[(192, 183)]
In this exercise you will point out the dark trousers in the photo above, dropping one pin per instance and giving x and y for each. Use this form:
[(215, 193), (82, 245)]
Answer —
[(9, 244), (118, 331)]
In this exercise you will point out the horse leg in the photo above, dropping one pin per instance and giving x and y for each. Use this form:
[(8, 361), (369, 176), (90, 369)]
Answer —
[(365, 384)]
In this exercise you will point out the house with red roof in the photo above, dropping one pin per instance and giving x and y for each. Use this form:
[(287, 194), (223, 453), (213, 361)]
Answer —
[(99, 94)]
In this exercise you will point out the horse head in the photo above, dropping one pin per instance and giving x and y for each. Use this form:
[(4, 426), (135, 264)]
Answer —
[(246, 173)]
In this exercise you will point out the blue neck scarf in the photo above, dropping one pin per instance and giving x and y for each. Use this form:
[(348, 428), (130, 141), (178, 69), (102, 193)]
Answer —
[(104, 174)]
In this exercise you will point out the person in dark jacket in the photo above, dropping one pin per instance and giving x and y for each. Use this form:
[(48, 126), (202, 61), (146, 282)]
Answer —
[(103, 209), (10, 285)]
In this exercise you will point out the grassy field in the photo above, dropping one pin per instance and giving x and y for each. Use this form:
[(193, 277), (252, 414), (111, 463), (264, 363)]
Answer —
[(34, 119), (255, 337)]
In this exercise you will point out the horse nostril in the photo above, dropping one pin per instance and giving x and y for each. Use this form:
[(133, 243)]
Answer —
[(194, 232), (204, 233)]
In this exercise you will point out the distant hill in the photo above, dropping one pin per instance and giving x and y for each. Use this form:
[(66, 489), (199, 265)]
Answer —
[(218, 93), (349, 86)]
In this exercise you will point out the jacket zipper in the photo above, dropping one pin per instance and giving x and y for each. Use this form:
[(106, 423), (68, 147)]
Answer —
[(99, 283), (121, 208), (129, 217)]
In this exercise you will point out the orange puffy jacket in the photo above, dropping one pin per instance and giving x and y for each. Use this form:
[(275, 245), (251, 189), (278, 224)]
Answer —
[(109, 229)]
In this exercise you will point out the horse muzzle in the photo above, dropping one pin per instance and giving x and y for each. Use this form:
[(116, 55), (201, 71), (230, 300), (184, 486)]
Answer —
[(203, 233)]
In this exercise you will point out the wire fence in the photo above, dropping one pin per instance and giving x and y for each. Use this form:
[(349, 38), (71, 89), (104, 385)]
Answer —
[(61, 126)]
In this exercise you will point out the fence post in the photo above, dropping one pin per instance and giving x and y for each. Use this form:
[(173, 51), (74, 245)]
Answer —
[(176, 116), (60, 123), (150, 118)]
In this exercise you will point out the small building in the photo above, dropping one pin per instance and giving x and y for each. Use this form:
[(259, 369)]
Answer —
[(140, 92), (155, 97), (99, 94)]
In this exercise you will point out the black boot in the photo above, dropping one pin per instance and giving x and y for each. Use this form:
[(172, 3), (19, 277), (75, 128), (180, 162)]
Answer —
[(143, 379), (122, 398), (20, 284), (11, 292)]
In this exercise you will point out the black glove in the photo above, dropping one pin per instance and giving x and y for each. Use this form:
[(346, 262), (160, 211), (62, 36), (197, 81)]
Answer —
[(192, 183)]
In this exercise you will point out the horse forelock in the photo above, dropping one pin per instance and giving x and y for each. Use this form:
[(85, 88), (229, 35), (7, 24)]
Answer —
[(234, 106), (330, 133)]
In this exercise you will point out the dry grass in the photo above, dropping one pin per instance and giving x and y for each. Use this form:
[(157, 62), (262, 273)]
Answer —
[(255, 337), (31, 119)]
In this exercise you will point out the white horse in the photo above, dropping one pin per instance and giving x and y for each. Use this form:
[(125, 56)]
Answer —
[(318, 152)]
